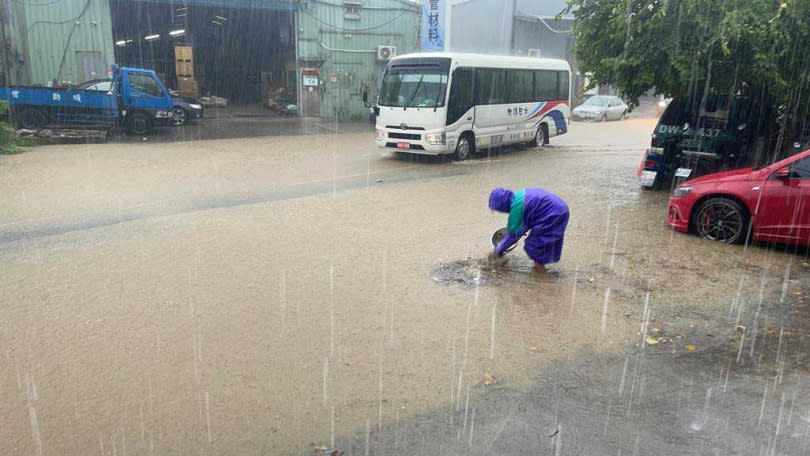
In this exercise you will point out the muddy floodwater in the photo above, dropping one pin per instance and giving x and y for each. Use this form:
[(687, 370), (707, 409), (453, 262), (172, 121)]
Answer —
[(284, 295)]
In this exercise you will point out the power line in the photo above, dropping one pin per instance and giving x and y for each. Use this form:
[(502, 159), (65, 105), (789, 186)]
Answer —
[(84, 11)]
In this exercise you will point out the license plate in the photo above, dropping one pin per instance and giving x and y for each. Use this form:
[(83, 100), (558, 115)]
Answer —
[(683, 172), (403, 146), (647, 178)]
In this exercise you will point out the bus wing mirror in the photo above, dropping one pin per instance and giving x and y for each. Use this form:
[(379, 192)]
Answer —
[(376, 110)]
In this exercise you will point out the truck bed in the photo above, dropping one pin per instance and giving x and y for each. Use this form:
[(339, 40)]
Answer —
[(65, 105)]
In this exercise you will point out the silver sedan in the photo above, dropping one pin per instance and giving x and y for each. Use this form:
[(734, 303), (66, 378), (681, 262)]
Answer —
[(601, 108)]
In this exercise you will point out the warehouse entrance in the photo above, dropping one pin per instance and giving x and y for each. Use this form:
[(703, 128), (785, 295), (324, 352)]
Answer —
[(222, 53)]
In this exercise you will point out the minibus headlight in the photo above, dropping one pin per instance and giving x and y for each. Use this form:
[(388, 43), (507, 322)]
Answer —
[(435, 138)]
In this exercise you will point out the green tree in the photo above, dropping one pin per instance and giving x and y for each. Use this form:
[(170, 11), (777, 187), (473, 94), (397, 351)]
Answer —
[(688, 47)]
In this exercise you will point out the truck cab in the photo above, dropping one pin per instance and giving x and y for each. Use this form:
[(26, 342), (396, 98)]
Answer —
[(142, 99), (706, 134)]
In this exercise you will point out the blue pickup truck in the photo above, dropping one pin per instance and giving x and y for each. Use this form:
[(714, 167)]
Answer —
[(137, 101)]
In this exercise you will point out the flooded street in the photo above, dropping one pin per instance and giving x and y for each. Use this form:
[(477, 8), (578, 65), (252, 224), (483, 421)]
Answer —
[(280, 295)]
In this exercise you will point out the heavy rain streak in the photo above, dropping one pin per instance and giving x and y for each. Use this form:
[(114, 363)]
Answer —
[(404, 227)]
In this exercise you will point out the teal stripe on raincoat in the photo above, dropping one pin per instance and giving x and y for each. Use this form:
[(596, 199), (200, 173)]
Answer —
[(515, 221)]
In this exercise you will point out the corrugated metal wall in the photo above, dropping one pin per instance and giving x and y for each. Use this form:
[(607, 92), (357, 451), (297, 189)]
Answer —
[(68, 40), (343, 46)]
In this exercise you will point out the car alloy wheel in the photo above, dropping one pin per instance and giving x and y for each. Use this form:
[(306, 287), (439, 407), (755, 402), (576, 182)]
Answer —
[(721, 220)]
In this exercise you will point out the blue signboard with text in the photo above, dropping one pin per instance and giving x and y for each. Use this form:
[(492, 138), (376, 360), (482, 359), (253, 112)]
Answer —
[(433, 20)]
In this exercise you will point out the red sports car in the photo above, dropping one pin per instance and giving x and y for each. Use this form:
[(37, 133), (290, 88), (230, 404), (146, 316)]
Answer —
[(769, 204)]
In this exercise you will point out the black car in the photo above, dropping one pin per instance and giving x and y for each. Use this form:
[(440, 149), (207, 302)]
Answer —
[(183, 110)]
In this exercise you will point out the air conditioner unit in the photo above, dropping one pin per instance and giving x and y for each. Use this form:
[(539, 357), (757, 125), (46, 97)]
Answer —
[(386, 53), (534, 53)]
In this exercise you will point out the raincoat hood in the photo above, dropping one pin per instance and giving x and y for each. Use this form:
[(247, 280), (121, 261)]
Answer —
[(501, 199)]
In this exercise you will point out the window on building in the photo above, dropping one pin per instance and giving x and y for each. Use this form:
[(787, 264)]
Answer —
[(490, 86), (351, 10), (521, 86), (545, 85)]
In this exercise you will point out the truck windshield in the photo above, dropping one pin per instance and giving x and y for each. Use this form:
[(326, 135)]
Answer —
[(409, 88)]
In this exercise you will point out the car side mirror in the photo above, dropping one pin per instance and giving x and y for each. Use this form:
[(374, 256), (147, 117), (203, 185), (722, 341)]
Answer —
[(376, 110), (783, 174)]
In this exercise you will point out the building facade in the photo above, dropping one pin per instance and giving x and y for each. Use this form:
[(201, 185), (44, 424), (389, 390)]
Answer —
[(348, 44), (47, 42), (321, 55)]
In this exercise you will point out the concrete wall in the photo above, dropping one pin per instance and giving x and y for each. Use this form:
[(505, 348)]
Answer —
[(482, 26), (337, 44), (486, 26), (56, 40), (550, 36), (543, 8)]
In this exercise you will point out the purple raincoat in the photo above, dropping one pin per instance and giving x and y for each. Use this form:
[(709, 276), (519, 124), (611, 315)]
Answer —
[(544, 213)]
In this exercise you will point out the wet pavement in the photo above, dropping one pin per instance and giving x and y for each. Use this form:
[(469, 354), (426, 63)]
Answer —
[(281, 295), (234, 123)]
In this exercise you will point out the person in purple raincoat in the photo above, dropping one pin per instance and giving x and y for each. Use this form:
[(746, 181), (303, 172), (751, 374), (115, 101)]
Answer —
[(542, 213)]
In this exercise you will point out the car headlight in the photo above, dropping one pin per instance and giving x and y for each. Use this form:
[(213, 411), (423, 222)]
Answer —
[(435, 138), (380, 135), (195, 106), (682, 191)]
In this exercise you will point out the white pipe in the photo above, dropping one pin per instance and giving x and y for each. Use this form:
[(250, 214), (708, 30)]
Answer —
[(355, 51)]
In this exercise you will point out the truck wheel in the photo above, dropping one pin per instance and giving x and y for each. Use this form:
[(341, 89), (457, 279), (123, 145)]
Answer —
[(31, 119), (139, 124)]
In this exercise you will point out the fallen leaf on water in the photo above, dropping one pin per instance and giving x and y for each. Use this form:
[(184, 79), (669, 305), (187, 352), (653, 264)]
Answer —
[(740, 328), (591, 279), (679, 336), (651, 340), (534, 349), (692, 324), (690, 347), (320, 448), (797, 293), (490, 380), (771, 331), (673, 352), (656, 330)]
